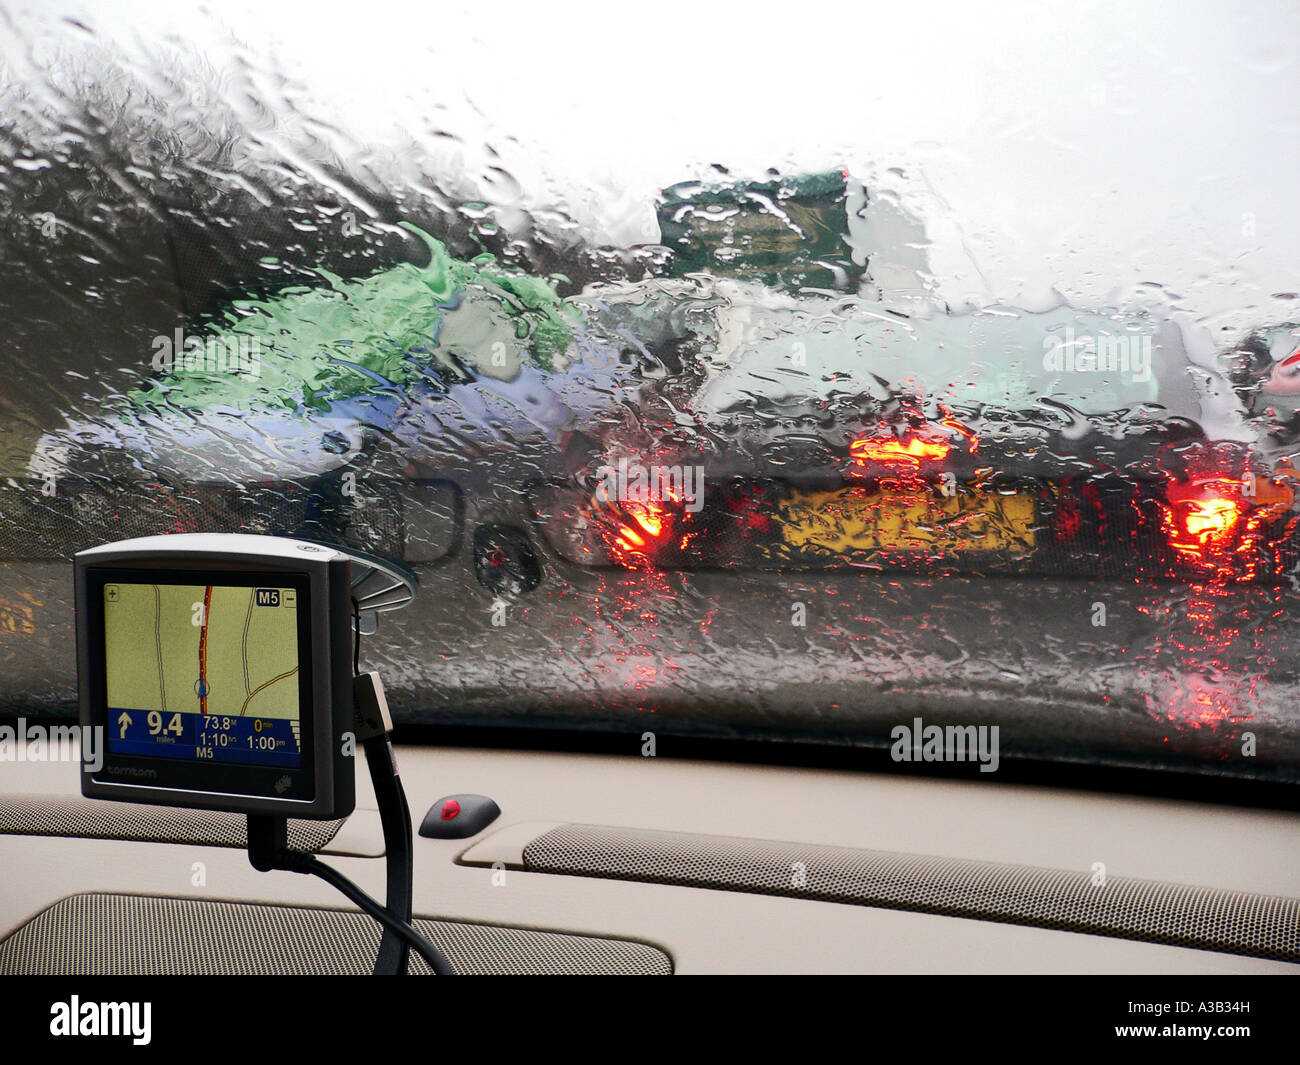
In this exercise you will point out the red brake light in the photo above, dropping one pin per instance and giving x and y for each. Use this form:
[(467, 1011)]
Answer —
[(634, 532), (1200, 522), (922, 446), (1216, 524), (892, 451), (1213, 517), (649, 520)]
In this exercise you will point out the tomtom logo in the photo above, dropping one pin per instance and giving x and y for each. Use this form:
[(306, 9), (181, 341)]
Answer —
[(103, 1018), (130, 771)]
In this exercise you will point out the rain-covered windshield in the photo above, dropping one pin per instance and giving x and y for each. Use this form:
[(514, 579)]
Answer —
[(822, 376)]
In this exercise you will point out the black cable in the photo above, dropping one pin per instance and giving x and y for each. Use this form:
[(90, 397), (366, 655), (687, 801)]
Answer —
[(395, 820), (268, 849), (309, 863), (356, 638)]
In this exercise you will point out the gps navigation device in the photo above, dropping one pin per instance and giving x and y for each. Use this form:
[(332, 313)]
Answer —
[(219, 668)]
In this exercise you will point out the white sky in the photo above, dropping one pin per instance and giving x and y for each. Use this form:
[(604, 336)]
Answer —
[(1085, 146)]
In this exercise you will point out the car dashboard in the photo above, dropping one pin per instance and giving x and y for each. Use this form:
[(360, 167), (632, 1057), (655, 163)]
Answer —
[(619, 863)]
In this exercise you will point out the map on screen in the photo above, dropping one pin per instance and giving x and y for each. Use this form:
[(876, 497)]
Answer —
[(203, 671)]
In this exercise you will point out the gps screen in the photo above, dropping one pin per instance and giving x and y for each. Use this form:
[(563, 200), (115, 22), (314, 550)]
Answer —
[(207, 672)]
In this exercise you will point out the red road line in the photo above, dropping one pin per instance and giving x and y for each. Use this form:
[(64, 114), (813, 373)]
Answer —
[(203, 652)]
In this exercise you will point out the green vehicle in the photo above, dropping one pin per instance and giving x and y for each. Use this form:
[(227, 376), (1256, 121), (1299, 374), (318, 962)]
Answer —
[(789, 232)]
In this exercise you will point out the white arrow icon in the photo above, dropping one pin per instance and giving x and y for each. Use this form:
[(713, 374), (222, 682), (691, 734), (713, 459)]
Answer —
[(123, 719)]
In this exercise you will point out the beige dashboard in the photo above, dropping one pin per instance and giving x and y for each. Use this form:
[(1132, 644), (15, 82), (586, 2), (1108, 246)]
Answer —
[(706, 930)]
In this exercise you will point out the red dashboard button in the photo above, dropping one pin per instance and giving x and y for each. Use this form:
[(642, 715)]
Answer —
[(458, 816)]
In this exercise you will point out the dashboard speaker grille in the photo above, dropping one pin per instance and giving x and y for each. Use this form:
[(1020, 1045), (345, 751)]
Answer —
[(1258, 926), (130, 935), (72, 815)]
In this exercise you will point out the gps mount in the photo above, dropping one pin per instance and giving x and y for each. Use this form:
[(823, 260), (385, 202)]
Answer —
[(376, 586), (268, 847), (224, 670)]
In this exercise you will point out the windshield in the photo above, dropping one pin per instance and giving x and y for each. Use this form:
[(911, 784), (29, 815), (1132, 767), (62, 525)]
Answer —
[(816, 378)]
